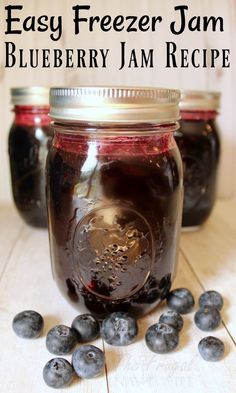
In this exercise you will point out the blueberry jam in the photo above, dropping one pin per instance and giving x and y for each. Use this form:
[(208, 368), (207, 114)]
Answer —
[(29, 140), (114, 205), (199, 145)]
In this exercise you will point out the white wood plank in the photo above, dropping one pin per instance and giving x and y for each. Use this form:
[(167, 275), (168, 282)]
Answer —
[(27, 284), (224, 80), (11, 226), (136, 369), (211, 252), (233, 34)]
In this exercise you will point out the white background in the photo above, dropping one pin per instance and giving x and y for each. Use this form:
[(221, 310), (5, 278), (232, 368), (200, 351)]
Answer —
[(223, 80)]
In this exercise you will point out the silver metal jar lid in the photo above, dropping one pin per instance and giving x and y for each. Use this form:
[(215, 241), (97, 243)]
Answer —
[(114, 104), (34, 95), (200, 100)]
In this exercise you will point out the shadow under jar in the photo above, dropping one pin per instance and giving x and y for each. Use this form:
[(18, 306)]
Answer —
[(114, 191), (199, 144), (29, 140)]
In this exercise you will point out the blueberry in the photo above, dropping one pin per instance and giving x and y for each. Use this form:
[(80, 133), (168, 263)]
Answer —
[(28, 324), (58, 373), (180, 300), (211, 299), (88, 361), (211, 349), (172, 318), (87, 328), (119, 329), (161, 338), (207, 318), (60, 340)]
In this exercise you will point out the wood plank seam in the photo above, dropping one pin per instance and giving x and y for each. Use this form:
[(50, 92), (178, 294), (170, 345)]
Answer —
[(191, 268), (204, 289), (11, 251), (106, 372)]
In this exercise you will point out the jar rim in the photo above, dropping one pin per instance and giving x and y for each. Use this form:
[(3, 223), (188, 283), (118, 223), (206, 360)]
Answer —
[(114, 104), (200, 100), (30, 96)]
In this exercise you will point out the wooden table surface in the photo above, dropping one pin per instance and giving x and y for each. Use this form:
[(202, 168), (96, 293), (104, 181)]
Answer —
[(207, 260)]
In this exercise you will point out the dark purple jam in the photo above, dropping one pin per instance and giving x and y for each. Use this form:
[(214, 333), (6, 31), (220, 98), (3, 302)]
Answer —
[(199, 145), (115, 206), (29, 141)]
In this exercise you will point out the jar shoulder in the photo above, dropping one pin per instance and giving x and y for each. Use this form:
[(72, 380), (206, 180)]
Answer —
[(35, 130), (38, 134)]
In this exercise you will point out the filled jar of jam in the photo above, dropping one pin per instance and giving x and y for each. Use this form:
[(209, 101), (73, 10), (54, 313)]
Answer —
[(29, 140), (199, 144), (114, 192)]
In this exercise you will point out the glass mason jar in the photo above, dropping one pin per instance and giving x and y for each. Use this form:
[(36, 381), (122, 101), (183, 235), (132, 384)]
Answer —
[(29, 140), (114, 192), (199, 144)]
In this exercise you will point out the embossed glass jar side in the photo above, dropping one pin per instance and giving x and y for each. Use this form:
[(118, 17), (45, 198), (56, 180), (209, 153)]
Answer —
[(29, 140), (115, 205), (199, 143)]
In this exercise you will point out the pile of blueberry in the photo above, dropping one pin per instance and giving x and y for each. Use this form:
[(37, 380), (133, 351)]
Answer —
[(120, 329), (207, 318)]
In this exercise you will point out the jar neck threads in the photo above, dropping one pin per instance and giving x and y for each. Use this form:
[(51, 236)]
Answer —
[(114, 130)]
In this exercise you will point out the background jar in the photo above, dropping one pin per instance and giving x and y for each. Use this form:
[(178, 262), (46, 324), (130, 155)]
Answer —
[(199, 144), (29, 140), (114, 189)]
